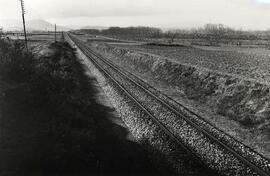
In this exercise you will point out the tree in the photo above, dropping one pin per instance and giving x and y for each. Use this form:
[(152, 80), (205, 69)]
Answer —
[(172, 35), (215, 33)]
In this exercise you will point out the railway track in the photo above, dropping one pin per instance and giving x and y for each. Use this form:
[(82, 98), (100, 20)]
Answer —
[(203, 142)]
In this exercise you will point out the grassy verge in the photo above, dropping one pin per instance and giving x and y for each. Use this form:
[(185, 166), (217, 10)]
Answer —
[(51, 121), (46, 100)]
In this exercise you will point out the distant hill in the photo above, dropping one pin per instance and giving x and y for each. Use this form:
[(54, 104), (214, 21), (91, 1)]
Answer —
[(44, 25), (32, 25)]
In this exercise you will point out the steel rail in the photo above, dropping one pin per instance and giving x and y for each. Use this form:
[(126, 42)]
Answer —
[(205, 132), (162, 126), (245, 161)]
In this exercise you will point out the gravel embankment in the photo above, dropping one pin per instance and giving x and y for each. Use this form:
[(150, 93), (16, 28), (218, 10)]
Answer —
[(163, 151)]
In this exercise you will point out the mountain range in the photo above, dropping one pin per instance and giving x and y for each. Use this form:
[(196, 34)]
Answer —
[(32, 25)]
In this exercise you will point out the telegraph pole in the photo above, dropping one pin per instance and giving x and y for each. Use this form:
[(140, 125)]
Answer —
[(24, 29)]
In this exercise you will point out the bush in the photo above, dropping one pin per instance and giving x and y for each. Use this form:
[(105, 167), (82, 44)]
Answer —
[(15, 63), (52, 96)]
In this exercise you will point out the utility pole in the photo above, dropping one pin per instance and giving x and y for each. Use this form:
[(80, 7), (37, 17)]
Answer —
[(55, 33), (24, 29)]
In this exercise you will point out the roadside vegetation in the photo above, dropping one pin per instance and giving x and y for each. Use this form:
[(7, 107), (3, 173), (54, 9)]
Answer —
[(15, 65), (43, 99), (51, 122)]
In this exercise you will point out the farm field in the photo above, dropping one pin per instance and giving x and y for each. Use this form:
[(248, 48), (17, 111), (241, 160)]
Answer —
[(35, 41), (248, 63), (45, 37), (41, 36)]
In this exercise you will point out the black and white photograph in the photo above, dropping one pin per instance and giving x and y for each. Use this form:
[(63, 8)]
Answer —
[(135, 88)]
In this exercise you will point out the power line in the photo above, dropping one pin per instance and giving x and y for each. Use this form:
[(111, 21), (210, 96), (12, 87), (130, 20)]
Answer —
[(23, 12)]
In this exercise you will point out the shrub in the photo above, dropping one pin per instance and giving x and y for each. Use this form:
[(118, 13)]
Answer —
[(15, 63)]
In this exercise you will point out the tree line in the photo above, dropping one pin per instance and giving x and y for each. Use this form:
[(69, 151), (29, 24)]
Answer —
[(136, 32), (212, 32)]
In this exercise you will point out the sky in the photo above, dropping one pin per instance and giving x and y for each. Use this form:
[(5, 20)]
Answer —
[(244, 14)]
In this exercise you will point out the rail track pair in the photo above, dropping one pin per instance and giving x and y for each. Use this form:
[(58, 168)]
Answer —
[(203, 142)]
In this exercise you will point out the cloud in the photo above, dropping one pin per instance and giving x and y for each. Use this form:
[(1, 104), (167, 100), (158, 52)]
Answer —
[(95, 8), (238, 13), (263, 1)]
